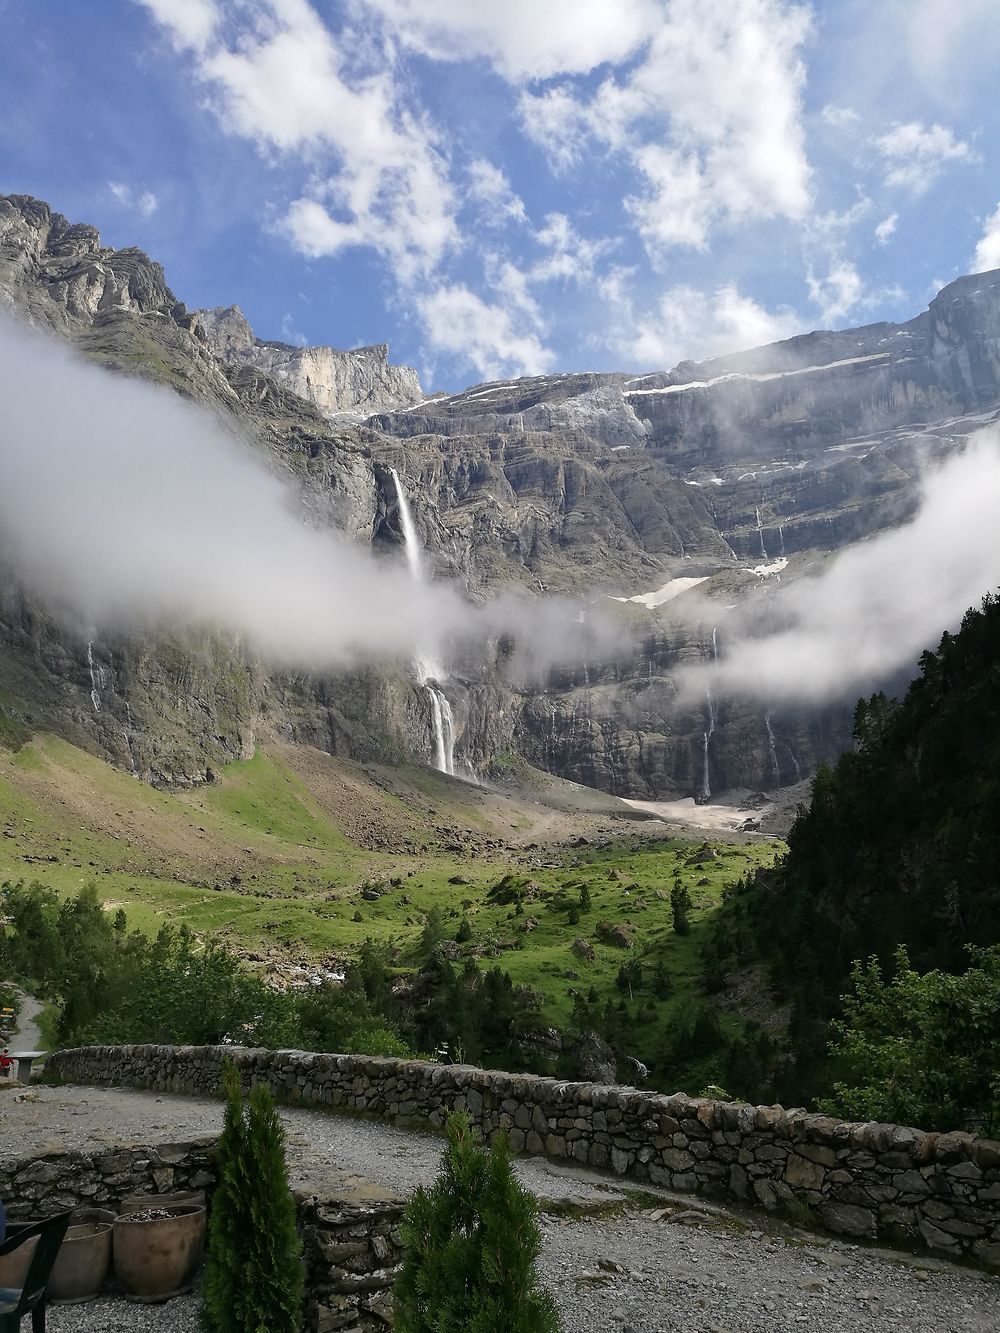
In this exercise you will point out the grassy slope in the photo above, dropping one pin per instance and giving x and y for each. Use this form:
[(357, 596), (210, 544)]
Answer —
[(273, 859)]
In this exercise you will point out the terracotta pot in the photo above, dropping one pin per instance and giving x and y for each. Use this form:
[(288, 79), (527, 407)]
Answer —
[(84, 1260), (156, 1258)]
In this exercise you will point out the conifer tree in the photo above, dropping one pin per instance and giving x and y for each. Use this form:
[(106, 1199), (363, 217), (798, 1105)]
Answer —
[(472, 1244), (253, 1266)]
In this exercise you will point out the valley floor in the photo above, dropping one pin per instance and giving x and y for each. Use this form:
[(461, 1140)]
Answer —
[(614, 1259), (294, 858)]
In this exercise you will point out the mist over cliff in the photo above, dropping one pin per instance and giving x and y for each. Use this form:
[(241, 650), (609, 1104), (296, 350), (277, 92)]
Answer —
[(658, 585)]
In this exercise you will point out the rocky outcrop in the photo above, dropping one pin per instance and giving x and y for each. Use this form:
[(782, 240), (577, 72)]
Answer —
[(357, 383)]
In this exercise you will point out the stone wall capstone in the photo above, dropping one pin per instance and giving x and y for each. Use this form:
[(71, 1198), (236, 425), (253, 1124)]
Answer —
[(869, 1181)]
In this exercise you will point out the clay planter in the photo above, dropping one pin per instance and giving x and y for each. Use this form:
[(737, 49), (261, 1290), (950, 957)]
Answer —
[(157, 1257), (84, 1259)]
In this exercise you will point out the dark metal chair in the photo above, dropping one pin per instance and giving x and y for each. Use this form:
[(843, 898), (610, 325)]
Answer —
[(15, 1303)]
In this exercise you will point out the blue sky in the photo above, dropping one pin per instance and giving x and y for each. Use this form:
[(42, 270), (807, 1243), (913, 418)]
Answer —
[(538, 185)]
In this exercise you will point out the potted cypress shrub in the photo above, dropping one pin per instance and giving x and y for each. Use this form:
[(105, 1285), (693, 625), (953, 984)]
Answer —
[(253, 1268), (472, 1245)]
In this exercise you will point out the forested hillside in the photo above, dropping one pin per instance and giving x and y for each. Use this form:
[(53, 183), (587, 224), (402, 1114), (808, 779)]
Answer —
[(900, 846)]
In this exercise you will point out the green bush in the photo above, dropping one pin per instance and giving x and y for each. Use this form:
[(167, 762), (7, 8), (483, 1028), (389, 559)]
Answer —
[(472, 1245), (253, 1265)]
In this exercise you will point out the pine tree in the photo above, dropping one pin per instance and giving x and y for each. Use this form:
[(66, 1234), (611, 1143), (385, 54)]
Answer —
[(472, 1244), (253, 1266)]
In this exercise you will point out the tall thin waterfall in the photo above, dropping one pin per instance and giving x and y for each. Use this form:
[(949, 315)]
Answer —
[(773, 749), (429, 670), (95, 697), (760, 534), (706, 784)]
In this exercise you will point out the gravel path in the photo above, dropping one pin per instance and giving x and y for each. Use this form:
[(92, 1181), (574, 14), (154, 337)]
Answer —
[(26, 1035), (660, 1264)]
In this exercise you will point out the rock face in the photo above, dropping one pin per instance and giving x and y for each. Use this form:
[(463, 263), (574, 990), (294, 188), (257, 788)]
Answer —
[(356, 383), (733, 477)]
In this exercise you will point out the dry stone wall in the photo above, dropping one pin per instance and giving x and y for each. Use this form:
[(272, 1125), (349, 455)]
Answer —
[(870, 1181), (350, 1238), (56, 1181)]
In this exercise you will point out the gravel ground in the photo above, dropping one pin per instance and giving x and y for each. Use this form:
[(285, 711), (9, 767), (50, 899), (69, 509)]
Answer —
[(658, 1264)]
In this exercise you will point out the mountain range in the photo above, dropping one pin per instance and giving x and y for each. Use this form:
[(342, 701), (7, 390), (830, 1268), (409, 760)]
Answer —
[(688, 495)]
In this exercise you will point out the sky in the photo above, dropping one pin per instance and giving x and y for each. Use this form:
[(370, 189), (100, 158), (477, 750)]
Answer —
[(526, 187)]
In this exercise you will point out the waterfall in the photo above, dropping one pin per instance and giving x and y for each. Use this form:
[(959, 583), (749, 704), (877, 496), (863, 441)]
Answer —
[(773, 749), (706, 783), (429, 671), (760, 534), (781, 539), (715, 643), (95, 697)]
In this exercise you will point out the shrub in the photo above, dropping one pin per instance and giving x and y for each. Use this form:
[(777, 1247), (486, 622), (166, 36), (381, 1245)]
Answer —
[(253, 1266), (472, 1244)]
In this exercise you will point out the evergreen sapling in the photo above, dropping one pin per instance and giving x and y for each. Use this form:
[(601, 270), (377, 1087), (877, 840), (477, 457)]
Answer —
[(253, 1266), (472, 1245)]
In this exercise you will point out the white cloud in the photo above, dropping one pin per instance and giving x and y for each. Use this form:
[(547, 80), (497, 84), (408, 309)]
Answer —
[(710, 116), (886, 228), (840, 117), (489, 187), (688, 324), (290, 334), (143, 202), (276, 75), (842, 292), (488, 336), (522, 38), (570, 257), (838, 293), (917, 154), (987, 254), (190, 23)]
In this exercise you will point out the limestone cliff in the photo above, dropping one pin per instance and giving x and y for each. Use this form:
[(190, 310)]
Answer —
[(356, 383), (594, 485)]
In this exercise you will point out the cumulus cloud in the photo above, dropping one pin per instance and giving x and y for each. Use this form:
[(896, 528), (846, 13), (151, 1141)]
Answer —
[(879, 604), (491, 335), (987, 254), (275, 74), (917, 154), (886, 228), (143, 202), (524, 40), (710, 115), (490, 188), (838, 293), (691, 324), (840, 117)]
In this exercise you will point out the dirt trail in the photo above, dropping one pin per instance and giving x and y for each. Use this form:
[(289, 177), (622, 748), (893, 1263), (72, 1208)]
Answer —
[(27, 1036)]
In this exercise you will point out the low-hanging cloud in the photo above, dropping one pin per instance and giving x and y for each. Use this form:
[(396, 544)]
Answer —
[(122, 505), (873, 611)]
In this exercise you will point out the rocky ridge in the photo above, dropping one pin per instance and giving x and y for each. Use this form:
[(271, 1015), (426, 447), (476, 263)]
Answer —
[(737, 476), (352, 384)]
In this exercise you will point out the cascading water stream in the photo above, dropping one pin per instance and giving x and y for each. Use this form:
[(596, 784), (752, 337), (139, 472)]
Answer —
[(429, 671), (706, 783), (95, 697), (773, 749), (760, 534)]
